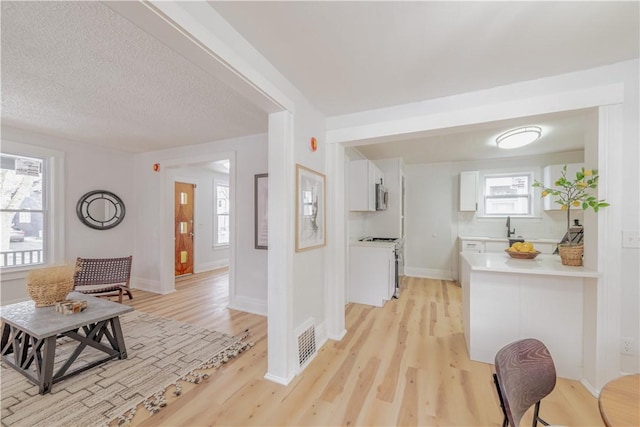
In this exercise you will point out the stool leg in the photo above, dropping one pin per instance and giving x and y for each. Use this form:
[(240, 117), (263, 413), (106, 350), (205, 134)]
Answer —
[(505, 422)]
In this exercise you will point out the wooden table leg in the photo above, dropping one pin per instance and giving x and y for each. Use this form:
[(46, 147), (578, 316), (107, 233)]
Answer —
[(45, 376), (117, 332)]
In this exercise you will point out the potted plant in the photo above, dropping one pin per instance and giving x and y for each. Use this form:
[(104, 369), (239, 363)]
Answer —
[(574, 193)]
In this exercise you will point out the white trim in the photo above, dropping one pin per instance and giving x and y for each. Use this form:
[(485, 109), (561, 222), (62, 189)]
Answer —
[(428, 273), (167, 273), (336, 277), (211, 265), (248, 304), (144, 284), (279, 380), (53, 204), (410, 127), (595, 393), (280, 340)]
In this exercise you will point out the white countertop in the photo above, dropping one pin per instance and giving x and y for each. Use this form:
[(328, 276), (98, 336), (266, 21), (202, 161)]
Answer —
[(543, 264), (504, 239)]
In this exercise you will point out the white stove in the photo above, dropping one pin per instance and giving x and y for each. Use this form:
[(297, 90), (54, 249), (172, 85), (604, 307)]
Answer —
[(399, 253)]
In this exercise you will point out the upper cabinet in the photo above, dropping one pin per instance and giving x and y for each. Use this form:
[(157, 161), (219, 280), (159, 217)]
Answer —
[(363, 177), (550, 175), (469, 191)]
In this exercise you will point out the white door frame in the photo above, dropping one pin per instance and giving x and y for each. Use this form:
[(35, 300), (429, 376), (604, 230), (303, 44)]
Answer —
[(167, 277)]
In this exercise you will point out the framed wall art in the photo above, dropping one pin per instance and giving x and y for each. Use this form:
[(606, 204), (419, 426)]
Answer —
[(310, 209), (261, 218)]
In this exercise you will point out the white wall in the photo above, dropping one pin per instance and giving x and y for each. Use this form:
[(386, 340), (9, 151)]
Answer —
[(87, 168), (615, 84), (250, 264), (206, 256), (434, 222)]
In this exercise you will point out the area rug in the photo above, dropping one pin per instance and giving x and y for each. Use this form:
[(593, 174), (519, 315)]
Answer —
[(161, 352)]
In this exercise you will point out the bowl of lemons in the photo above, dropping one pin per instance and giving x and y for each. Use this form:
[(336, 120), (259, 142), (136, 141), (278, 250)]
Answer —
[(522, 250)]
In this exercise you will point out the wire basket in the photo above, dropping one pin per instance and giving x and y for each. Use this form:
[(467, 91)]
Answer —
[(48, 286)]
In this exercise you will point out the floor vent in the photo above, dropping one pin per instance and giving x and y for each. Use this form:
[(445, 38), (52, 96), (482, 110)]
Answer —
[(306, 344)]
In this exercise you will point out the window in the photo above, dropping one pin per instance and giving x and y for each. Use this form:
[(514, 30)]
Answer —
[(221, 215), (508, 194), (23, 220)]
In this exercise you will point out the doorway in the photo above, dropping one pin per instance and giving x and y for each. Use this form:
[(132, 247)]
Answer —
[(202, 173), (184, 202)]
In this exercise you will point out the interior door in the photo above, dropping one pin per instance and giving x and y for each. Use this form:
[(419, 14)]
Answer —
[(184, 204)]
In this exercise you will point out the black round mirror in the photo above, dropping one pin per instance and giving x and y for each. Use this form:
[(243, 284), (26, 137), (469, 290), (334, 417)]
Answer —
[(100, 209)]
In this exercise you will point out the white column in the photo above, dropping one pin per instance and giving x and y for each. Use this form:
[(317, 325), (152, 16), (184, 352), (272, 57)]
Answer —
[(601, 351), (280, 351), (336, 242)]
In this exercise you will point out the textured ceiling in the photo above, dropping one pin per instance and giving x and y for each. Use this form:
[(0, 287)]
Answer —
[(80, 71), (361, 55)]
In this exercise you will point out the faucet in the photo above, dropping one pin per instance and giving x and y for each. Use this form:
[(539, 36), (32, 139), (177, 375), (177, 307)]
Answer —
[(510, 232)]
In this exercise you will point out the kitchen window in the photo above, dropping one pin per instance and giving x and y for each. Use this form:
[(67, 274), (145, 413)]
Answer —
[(221, 215), (30, 219), (508, 194)]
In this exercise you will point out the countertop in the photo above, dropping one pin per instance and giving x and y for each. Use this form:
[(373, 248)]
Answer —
[(504, 239), (543, 264)]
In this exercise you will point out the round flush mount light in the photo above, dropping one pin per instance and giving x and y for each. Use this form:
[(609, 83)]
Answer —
[(518, 137)]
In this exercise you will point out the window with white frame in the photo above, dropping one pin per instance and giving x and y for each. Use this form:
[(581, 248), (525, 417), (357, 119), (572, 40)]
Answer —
[(32, 223), (221, 214), (508, 194)]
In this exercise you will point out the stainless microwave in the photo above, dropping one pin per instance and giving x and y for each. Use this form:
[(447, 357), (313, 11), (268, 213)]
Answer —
[(381, 197)]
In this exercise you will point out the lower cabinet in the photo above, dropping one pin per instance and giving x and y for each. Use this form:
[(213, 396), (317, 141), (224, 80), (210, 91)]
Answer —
[(499, 308), (372, 274)]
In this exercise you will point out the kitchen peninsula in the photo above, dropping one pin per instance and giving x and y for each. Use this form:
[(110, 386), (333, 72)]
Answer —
[(505, 299)]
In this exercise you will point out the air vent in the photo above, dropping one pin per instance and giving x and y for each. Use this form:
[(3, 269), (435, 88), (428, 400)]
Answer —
[(306, 344)]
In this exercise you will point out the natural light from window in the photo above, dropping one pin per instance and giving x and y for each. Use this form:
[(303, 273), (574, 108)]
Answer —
[(221, 215), (507, 195), (23, 215)]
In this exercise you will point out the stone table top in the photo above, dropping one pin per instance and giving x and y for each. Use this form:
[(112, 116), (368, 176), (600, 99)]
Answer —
[(42, 322)]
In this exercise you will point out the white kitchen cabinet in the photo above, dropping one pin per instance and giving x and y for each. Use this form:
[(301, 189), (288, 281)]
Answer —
[(372, 273), (472, 246), (469, 191), (502, 300), (550, 175), (363, 177)]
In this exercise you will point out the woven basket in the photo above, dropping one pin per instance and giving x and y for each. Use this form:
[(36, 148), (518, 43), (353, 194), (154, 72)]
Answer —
[(571, 254), (48, 286)]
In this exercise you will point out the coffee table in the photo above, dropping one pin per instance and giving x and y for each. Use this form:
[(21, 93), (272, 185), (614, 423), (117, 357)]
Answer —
[(30, 335)]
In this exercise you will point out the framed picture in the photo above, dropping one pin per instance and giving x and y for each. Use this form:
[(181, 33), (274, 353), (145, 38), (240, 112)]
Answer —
[(261, 218), (310, 209)]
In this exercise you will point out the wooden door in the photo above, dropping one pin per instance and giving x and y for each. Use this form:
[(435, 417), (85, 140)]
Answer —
[(184, 203)]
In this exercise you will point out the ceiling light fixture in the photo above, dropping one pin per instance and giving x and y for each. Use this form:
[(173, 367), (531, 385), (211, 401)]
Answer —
[(518, 137)]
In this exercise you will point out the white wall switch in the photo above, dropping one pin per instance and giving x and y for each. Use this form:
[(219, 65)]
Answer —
[(630, 239)]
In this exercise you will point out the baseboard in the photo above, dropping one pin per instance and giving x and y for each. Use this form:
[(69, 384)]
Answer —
[(590, 388), (212, 265), (278, 380), (247, 304), (428, 273), (152, 286), (339, 336)]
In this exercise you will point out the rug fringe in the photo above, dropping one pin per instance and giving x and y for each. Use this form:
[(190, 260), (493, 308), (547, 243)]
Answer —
[(157, 401)]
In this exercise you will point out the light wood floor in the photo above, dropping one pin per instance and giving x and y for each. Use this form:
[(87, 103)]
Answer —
[(403, 364)]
